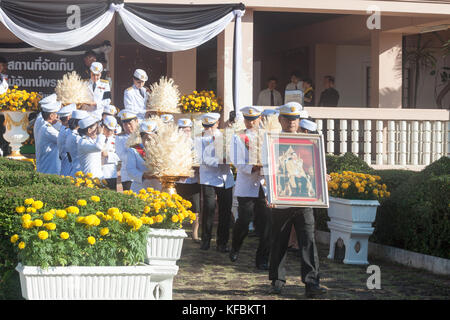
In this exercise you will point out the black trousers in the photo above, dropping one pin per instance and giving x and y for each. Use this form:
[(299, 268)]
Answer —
[(247, 208), (225, 202), (126, 185), (303, 221), (112, 183), (190, 192)]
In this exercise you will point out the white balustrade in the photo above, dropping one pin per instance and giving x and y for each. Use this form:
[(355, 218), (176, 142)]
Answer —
[(343, 137), (379, 142), (402, 138), (355, 137)]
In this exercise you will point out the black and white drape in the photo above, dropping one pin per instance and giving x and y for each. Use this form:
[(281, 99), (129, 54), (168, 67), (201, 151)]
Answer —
[(61, 25)]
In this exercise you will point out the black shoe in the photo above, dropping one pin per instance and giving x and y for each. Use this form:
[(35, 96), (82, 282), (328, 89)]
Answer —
[(312, 291), (262, 266), (204, 245), (276, 287), (233, 255), (223, 248)]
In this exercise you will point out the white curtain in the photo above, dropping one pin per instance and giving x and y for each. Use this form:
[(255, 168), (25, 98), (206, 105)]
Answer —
[(61, 40), (168, 40)]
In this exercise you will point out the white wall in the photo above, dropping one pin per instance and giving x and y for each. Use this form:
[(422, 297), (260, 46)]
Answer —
[(350, 74)]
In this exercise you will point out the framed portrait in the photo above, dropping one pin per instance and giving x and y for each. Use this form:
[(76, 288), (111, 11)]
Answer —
[(295, 170)]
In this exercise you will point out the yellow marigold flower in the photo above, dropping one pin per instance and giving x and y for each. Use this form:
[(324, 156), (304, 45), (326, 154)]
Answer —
[(14, 238), (50, 226), (81, 202), (73, 209), (38, 223), (95, 198), (64, 235), (89, 175), (26, 216), (31, 209), (146, 209), (113, 210), (61, 213), (159, 218), (91, 240), (20, 209), (175, 218), (104, 231), (38, 204), (151, 221), (388, 194), (375, 191), (43, 235), (29, 201), (21, 245), (27, 224), (48, 216)]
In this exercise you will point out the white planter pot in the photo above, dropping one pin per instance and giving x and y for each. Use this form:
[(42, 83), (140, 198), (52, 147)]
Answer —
[(351, 223), (164, 246), (16, 123), (97, 283)]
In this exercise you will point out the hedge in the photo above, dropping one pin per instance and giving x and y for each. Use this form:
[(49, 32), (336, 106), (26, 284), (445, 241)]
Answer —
[(417, 215), (19, 181)]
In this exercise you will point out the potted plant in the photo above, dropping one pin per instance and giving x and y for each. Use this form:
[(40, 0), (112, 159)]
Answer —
[(198, 102), (354, 198), (165, 214), (80, 252), (16, 105)]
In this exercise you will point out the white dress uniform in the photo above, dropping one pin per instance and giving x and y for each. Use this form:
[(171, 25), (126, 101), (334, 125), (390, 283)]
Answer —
[(136, 163), (109, 164), (135, 99), (49, 159), (247, 182), (61, 142), (47, 137), (90, 151), (211, 171), (72, 140), (38, 123), (184, 122), (121, 145), (3, 83), (100, 89)]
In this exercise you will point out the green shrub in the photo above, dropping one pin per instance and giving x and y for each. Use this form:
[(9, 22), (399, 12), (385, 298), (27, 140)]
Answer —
[(393, 178), (438, 167), (416, 217), (15, 165), (12, 178), (347, 162)]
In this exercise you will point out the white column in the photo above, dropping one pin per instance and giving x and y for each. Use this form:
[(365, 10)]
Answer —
[(391, 142), (343, 137), (379, 142), (355, 137), (427, 143), (438, 139), (415, 143), (403, 142), (330, 136), (319, 123), (367, 141)]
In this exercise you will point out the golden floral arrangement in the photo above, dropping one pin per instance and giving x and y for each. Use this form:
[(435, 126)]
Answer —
[(358, 186), (19, 100), (203, 101), (169, 152), (164, 96), (72, 89)]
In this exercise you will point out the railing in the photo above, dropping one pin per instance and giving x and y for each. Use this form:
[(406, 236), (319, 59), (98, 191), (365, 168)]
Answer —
[(385, 138)]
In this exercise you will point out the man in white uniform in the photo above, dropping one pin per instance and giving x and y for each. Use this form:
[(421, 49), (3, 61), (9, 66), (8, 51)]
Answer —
[(65, 115), (90, 147), (99, 87), (135, 97), (130, 124), (47, 141), (110, 159), (216, 179), (250, 190)]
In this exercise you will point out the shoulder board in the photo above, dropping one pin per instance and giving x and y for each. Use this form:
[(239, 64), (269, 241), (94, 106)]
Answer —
[(129, 88), (103, 80)]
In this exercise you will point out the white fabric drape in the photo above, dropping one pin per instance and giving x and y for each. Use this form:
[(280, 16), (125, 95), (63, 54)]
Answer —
[(238, 61), (61, 40), (168, 40)]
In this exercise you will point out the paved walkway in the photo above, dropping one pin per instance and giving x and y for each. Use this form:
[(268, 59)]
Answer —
[(210, 275)]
